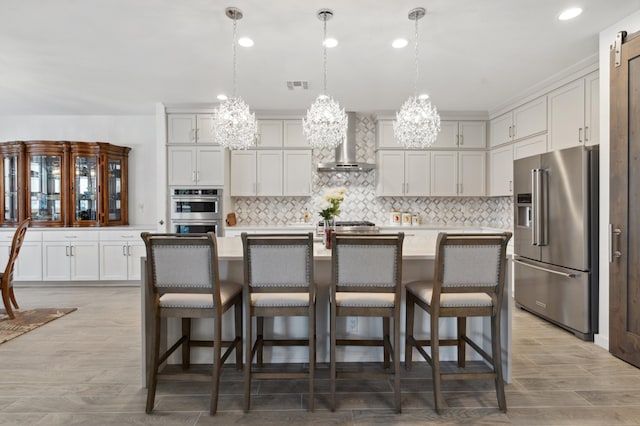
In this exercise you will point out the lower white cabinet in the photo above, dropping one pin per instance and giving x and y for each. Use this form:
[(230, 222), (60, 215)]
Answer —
[(120, 254), (28, 266), (70, 256), (403, 173), (501, 171), (457, 173)]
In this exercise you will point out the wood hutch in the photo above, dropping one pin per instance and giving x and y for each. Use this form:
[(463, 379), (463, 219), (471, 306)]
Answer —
[(63, 183)]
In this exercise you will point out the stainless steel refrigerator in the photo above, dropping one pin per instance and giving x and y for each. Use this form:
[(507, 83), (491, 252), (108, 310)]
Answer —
[(556, 238)]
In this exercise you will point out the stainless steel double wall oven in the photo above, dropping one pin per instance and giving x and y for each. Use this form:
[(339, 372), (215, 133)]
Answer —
[(196, 210)]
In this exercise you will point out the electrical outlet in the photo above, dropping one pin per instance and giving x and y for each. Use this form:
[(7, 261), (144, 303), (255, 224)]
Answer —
[(352, 324)]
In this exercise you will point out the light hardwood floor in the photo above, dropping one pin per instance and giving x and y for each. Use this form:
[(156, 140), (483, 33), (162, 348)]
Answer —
[(84, 369)]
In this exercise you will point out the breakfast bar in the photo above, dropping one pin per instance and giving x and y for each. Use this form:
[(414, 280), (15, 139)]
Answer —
[(418, 260)]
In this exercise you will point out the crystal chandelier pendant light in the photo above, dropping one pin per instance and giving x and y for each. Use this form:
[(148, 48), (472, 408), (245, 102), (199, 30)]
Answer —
[(417, 123), (234, 126), (325, 125)]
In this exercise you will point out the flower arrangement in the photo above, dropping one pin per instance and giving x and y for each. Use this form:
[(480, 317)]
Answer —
[(330, 205)]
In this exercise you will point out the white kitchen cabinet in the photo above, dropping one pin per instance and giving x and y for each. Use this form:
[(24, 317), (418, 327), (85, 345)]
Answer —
[(28, 266), (297, 173), (269, 173), (462, 134), (461, 173), (293, 135), (270, 134), (524, 121), (403, 173), (531, 146), (120, 253), (243, 173), (196, 165), (572, 115), (384, 135), (501, 171), (190, 128), (256, 173), (70, 256)]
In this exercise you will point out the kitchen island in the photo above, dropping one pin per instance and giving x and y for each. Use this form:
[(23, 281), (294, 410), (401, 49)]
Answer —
[(418, 260)]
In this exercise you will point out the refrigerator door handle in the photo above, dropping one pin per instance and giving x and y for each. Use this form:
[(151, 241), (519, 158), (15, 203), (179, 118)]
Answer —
[(534, 210), (539, 216), (564, 274)]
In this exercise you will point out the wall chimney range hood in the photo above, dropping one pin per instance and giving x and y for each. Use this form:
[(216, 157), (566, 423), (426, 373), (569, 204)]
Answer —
[(346, 153)]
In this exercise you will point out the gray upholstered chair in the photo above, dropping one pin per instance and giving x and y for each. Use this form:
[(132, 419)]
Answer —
[(182, 272), (468, 281), (366, 276), (278, 271)]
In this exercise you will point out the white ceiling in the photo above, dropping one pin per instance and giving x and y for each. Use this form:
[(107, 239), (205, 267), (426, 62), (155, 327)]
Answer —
[(122, 56)]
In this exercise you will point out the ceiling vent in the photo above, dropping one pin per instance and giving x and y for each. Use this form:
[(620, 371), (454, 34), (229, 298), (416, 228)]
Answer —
[(298, 85)]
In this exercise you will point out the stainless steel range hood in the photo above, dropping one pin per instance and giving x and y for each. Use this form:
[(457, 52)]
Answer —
[(346, 153)]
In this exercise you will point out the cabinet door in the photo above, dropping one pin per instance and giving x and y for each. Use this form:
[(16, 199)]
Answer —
[(444, 173), (532, 146), (384, 134), (416, 173), (500, 129), (56, 259), (181, 128), (566, 115), (28, 266), (84, 190), (501, 171), (472, 173), (448, 136), (269, 173), (210, 171), (293, 135), (297, 173), (204, 129), (182, 165), (530, 118), (85, 261), (592, 110), (472, 134), (135, 251), (113, 260), (269, 134), (243, 173), (390, 173)]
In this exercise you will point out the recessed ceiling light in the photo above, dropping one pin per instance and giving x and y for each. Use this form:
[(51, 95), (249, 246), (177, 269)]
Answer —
[(330, 43), (245, 42), (399, 43), (222, 97), (570, 14)]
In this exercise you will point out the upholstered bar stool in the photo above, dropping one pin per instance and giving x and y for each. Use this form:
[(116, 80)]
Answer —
[(468, 281), (366, 276), (278, 270), (182, 272)]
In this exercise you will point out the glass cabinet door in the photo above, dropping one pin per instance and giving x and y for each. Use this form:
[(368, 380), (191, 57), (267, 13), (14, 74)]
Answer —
[(114, 188), (46, 188), (86, 189), (10, 180)]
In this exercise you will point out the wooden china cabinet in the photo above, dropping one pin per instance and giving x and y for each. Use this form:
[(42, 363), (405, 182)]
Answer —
[(61, 183)]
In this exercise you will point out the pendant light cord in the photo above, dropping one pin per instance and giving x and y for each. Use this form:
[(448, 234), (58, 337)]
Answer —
[(234, 54), (324, 53), (415, 56)]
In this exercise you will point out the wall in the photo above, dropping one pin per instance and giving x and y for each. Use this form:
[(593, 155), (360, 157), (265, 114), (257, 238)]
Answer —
[(630, 24), (137, 132), (361, 202)]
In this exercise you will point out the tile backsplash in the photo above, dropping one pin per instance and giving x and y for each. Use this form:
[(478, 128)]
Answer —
[(361, 202)]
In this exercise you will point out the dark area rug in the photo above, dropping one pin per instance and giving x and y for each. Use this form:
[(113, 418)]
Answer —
[(27, 320)]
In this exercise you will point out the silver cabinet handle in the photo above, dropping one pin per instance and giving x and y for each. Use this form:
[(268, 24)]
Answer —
[(460, 140), (540, 268), (66, 251), (509, 131), (129, 251), (193, 176), (510, 186), (580, 135), (614, 233), (124, 250), (586, 130), (193, 135), (513, 131), (72, 251), (197, 175)]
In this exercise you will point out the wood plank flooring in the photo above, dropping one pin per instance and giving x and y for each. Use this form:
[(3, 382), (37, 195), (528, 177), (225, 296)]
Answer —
[(84, 369)]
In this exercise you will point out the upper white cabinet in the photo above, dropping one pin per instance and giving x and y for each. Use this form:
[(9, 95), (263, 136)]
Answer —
[(293, 137), (573, 113), (196, 165), (403, 173), (269, 134), (531, 146), (462, 134), (522, 122), (190, 128), (458, 173), (271, 173), (501, 171), (384, 135)]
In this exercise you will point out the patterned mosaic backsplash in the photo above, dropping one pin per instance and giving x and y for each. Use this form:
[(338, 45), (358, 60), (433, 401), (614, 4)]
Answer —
[(361, 203)]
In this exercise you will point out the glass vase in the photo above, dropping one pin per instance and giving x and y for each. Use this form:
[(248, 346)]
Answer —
[(329, 227)]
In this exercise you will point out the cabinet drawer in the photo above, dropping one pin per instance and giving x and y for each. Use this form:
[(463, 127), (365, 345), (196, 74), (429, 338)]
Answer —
[(133, 235), (30, 236), (70, 236)]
